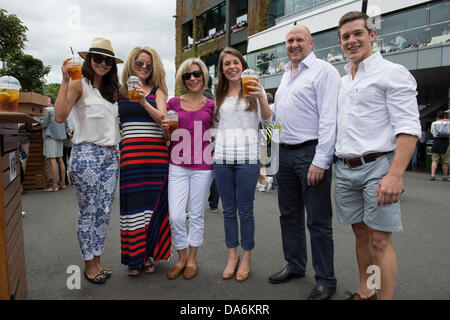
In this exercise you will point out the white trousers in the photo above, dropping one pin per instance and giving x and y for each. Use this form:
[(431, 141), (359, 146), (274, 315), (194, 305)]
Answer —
[(183, 184)]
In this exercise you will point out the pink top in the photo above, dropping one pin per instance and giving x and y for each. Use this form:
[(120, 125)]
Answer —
[(190, 143)]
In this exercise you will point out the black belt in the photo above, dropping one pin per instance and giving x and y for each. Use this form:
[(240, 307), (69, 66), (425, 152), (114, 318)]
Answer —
[(357, 162), (300, 145)]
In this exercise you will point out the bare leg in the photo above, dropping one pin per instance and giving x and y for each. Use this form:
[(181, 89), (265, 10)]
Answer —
[(244, 266), (91, 269), (181, 263), (233, 260), (54, 169), (98, 265), (192, 258), (386, 260), (433, 168), (364, 257), (62, 173), (445, 170)]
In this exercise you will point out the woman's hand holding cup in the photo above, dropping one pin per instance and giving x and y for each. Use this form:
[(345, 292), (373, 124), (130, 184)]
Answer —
[(67, 64)]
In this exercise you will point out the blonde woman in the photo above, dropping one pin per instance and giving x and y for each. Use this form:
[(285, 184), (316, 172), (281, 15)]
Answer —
[(144, 161), (190, 170)]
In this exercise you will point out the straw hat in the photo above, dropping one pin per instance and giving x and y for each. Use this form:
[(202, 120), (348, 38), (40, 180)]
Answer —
[(100, 46)]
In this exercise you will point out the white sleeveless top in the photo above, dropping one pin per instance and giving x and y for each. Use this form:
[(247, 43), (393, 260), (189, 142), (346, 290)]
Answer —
[(95, 119)]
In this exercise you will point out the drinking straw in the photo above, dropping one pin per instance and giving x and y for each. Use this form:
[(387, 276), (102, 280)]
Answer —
[(73, 54)]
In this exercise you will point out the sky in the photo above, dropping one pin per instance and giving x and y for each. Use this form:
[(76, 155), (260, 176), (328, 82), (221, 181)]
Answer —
[(56, 25)]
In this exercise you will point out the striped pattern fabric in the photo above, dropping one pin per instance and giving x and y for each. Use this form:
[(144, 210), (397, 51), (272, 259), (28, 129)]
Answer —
[(144, 211)]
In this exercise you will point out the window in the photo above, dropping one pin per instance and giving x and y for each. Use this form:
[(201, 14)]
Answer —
[(294, 6), (276, 10), (405, 21), (213, 19)]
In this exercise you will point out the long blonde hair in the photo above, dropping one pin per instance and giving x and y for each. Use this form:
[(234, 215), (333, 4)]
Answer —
[(157, 75)]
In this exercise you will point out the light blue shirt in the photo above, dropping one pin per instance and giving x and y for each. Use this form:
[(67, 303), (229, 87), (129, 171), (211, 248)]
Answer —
[(51, 128), (306, 107)]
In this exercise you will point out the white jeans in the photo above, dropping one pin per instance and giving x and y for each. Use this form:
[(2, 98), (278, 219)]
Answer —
[(184, 183)]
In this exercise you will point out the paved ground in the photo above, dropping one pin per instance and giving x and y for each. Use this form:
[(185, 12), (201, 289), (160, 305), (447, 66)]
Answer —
[(51, 247)]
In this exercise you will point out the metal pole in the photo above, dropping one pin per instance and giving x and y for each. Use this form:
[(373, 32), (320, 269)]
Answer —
[(364, 6), (227, 23)]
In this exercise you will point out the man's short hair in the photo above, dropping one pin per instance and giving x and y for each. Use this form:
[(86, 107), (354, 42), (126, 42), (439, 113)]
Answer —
[(51, 98), (441, 115), (352, 16)]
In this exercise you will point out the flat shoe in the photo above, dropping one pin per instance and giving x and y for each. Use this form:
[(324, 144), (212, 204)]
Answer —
[(190, 272), (99, 279), (227, 276), (51, 189), (107, 273), (174, 272), (133, 272), (150, 268), (356, 296)]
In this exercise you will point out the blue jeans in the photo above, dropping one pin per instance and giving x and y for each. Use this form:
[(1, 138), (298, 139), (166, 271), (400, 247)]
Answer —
[(294, 195), (213, 198), (236, 184)]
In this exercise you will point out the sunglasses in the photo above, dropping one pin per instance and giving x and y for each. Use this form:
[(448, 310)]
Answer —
[(186, 76), (141, 63), (98, 58)]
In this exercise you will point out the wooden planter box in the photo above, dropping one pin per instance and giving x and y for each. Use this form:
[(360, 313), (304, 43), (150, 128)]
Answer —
[(13, 284), (32, 103), (35, 174)]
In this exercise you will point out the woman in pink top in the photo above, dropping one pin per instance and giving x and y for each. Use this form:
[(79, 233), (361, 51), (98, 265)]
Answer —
[(190, 166)]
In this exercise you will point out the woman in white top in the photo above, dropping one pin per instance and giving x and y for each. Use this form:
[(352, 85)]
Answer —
[(236, 163), (94, 162)]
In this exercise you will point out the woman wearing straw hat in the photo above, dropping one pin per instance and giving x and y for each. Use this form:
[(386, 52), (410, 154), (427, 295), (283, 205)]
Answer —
[(94, 163)]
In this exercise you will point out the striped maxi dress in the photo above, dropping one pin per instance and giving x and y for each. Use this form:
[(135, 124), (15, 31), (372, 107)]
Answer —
[(144, 164)]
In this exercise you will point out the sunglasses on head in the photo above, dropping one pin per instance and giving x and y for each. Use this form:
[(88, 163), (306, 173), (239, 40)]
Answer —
[(98, 58), (142, 63), (186, 76)]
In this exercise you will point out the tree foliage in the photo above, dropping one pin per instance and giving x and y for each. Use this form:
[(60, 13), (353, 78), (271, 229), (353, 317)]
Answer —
[(52, 88), (29, 71), (12, 35)]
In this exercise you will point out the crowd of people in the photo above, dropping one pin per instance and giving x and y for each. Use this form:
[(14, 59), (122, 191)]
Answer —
[(165, 175)]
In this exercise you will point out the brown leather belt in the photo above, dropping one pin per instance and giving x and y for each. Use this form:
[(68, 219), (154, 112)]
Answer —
[(356, 162)]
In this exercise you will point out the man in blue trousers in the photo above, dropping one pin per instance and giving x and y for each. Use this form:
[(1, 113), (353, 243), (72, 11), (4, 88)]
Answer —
[(306, 106)]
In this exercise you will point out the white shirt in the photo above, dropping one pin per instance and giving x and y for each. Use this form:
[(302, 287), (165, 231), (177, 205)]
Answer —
[(375, 107), (435, 124), (306, 107), (95, 119), (237, 132)]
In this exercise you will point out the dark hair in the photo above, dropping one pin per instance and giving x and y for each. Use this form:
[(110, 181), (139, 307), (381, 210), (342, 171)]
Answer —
[(109, 88), (222, 86), (441, 115), (52, 99), (352, 16)]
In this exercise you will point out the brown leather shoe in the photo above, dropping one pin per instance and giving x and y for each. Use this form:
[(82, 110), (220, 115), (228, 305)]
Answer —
[(227, 276), (174, 272), (356, 296), (190, 272)]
